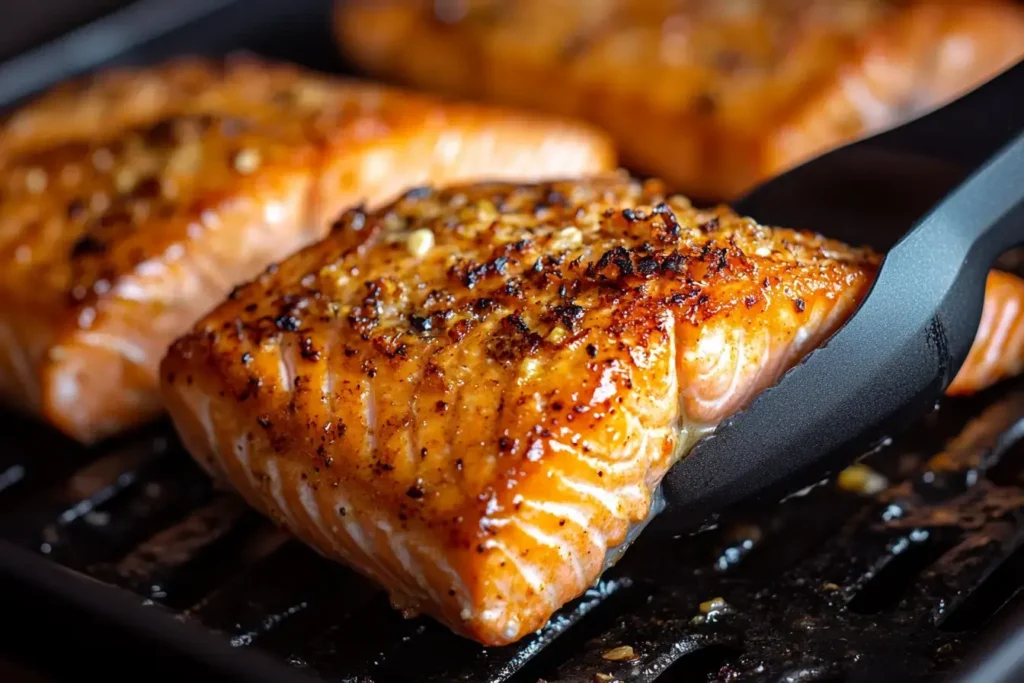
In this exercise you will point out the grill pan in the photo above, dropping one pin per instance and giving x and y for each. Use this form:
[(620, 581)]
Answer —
[(122, 559)]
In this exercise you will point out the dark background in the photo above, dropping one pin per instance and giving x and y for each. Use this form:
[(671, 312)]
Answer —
[(31, 22)]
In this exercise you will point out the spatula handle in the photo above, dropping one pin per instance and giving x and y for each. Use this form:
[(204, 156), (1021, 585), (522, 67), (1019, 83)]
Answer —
[(872, 190), (953, 247), (890, 361), (967, 131)]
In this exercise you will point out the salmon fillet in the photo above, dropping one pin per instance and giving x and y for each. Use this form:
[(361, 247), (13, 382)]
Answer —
[(130, 205), (468, 395), (711, 95), (998, 350), (99, 104)]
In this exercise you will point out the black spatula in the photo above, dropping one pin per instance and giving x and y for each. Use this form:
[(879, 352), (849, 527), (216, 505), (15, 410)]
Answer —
[(895, 357), (948, 190)]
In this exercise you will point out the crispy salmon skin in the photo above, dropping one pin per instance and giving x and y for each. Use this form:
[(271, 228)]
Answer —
[(468, 395), (711, 95), (126, 219)]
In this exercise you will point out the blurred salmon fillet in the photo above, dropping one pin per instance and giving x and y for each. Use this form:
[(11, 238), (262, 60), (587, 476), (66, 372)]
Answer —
[(469, 394), (998, 350), (131, 202), (100, 104), (711, 95)]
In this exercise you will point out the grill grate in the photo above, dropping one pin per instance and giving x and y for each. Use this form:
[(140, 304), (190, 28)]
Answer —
[(829, 586)]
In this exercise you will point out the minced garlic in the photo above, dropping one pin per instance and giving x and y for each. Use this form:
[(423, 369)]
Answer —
[(863, 480), (619, 654), (420, 242)]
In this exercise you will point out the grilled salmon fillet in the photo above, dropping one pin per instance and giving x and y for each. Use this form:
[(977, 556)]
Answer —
[(998, 349), (711, 95), (130, 205), (469, 394), (101, 103)]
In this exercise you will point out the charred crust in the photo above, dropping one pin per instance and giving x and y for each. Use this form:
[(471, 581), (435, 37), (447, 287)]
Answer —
[(553, 198), (473, 274), (483, 306), (459, 330), (363, 321), (353, 219), (513, 340), (149, 187), (288, 323), (307, 350), (76, 209), (569, 315), (388, 346), (674, 263), (87, 244), (420, 323), (709, 225), (383, 466), (647, 266), (514, 288)]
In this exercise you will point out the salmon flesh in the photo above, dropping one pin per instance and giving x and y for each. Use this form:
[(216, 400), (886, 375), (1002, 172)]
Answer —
[(469, 395)]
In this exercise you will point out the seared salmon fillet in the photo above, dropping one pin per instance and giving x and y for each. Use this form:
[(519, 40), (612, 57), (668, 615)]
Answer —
[(468, 395), (99, 104), (998, 350), (711, 95), (120, 227)]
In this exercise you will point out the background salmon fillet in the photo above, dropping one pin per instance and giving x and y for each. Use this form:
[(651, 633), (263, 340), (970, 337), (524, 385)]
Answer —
[(711, 95), (134, 200)]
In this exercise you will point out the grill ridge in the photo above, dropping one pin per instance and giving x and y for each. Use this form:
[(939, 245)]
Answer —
[(832, 585)]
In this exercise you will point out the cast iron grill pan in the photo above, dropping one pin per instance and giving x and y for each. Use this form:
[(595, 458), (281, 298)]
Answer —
[(125, 551)]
